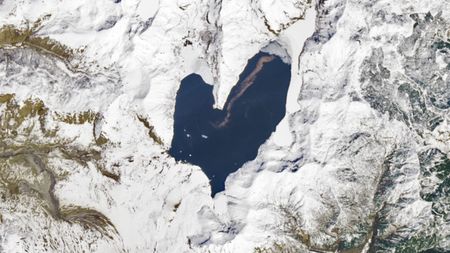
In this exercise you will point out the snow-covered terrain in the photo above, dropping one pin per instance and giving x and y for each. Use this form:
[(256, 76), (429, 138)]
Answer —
[(87, 95)]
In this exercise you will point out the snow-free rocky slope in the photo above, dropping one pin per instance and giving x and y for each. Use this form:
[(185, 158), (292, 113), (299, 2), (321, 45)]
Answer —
[(359, 164)]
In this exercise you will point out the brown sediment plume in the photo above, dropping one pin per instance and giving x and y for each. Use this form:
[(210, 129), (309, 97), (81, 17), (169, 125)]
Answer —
[(243, 87)]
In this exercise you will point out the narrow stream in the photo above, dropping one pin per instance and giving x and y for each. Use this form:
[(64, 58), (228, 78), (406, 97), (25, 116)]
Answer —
[(221, 141)]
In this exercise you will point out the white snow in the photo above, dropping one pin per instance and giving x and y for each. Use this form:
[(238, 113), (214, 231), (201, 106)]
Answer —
[(136, 56), (134, 59)]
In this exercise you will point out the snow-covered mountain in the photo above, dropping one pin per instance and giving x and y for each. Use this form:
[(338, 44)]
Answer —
[(360, 163)]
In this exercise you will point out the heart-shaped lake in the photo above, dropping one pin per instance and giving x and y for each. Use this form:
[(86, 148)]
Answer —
[(221, 141)]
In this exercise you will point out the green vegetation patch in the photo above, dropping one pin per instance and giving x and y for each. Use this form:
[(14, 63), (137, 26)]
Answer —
[(440, 44)]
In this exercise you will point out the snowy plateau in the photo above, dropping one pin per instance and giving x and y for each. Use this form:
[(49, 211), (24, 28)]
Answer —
[(359, 163)]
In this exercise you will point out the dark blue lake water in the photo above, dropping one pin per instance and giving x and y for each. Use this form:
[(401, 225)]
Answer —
[(221, 141)]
